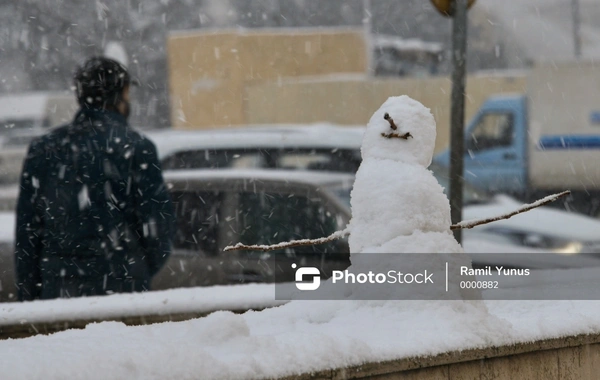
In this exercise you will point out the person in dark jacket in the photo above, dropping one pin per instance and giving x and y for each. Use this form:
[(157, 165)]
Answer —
[(94, 216)]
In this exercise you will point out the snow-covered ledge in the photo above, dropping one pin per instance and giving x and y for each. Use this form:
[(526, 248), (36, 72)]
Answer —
[(42, 317), (570, 357)]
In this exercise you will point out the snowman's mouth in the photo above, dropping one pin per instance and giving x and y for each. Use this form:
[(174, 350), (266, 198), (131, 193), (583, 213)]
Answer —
[(397, 135)]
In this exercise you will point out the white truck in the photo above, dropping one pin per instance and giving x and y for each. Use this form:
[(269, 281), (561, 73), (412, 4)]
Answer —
[(543, 141)]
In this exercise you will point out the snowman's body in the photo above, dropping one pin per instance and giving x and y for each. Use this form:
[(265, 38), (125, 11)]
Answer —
[(397, 204)]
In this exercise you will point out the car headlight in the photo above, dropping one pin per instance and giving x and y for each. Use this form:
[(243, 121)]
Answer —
[(540, 241), (556, 245), (570, 248)]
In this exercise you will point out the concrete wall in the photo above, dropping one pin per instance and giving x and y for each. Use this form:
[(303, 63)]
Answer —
[(571, 357), (576, 357)]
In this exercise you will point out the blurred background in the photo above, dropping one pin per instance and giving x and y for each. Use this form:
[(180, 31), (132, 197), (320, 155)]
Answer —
[(42, 41)]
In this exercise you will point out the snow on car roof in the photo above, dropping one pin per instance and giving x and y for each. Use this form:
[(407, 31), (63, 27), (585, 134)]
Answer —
[(383, 41), (293, 176), (263, 136), (7, 226), (26, 105)]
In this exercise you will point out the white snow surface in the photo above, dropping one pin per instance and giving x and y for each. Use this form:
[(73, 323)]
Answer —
[(318, 135), (23, 105), (7, 227), (173, 301), (298, 337), (380, 186), (382, 41)]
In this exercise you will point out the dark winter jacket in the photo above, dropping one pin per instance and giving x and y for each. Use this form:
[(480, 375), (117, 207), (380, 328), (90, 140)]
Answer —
[(93, 213)]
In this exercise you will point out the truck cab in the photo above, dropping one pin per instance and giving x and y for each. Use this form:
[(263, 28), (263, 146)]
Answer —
[(496, 146)]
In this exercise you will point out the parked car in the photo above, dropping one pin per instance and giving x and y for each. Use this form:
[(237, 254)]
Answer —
[(217, 208), (337, 148), (544, 227), (313, 147)]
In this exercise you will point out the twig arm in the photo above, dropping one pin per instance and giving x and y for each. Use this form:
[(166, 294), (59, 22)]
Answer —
[(288, 244), (339, 234), (477, 222)]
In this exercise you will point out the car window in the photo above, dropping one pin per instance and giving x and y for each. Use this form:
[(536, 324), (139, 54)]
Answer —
[(18, 124), (270, 218), (343, 194), (335, 160), (215, 159), (198, 222), (260, 218), (494, 130), (338, 160)]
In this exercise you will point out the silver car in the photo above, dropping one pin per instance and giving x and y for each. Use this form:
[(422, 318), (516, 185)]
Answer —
[(217, 208)]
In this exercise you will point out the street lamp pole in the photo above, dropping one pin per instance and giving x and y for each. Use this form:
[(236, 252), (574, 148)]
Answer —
[(576, 28), (367, 24), (457, 111)]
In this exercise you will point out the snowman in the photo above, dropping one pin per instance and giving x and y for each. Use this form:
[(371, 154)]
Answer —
[(398, 207), (400, 214)]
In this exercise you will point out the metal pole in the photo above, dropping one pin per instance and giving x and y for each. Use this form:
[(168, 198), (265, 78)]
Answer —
[(457, 111), (576, 28), (368, 29)]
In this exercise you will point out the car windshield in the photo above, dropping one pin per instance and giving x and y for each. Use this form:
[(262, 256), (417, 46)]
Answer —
[(342, 193)]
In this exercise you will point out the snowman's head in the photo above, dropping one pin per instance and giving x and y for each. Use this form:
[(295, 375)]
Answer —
[(403, 130)]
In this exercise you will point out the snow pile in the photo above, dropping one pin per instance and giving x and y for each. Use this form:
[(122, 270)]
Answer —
[(292, 339), (7, 227), (198, 300)]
